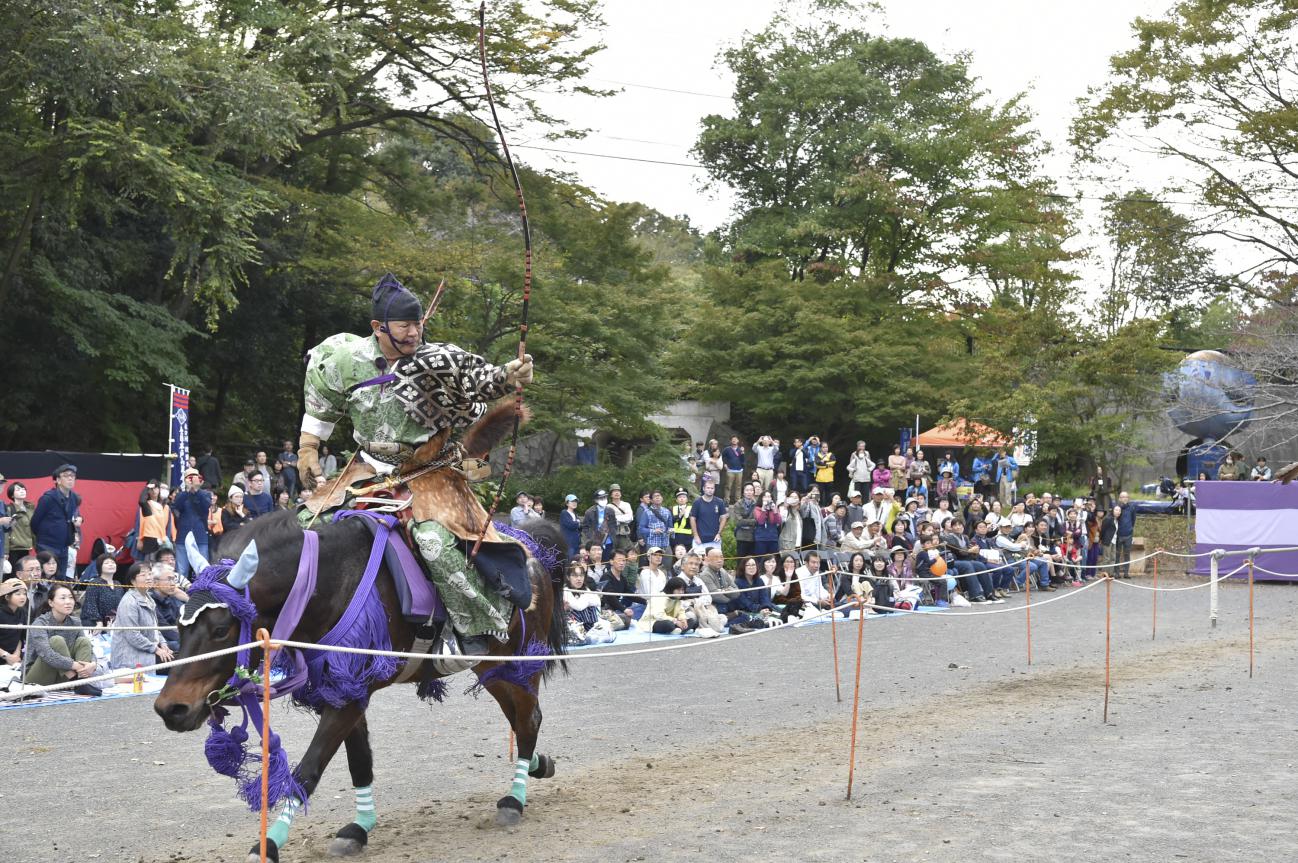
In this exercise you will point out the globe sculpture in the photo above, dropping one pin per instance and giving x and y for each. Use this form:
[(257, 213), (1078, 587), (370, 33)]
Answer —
[(1210, 398)]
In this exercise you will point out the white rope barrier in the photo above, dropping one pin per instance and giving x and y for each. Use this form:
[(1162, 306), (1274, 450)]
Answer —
[(83, 628), (1207, 583)]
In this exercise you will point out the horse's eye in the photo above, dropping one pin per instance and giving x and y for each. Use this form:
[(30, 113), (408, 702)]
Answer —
[(221, 631)]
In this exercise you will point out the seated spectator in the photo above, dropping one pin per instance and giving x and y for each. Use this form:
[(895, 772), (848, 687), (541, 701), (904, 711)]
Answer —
[(1002, 577), (596, 568), (711, 622), (855, 581), (678, 559), (945, 488), (1071, 559), (900, 569), (1019, 516), (972, 573), (917, 489), (786, 592), (754, 608), (942, 514), (13, 612), (974, 512), (882, 583), (901, 536), (995, 515), (99, 603), (617, 610), (581, 608), (720, 584), (1023, 556), (812, 584), (170, 601), (56, 655), (652, 577), (136, 639), (925, 559), (1261, 471), (668, 615), (856, 540)]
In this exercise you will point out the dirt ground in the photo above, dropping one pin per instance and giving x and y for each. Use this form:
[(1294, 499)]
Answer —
[(739, 749)]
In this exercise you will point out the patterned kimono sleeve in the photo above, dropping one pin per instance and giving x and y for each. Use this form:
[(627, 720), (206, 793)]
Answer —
[(323, 392), (476, 381)]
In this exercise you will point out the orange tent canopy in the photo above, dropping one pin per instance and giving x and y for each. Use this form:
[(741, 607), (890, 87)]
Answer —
[(961, 432)]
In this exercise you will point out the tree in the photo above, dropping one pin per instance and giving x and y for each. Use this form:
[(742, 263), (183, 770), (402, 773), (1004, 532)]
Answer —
[(1155, 263), (1209, 90), (862, 155)]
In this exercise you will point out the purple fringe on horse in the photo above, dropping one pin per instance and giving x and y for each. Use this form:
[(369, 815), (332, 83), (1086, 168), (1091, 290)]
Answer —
[(336, 679), (549, 556)]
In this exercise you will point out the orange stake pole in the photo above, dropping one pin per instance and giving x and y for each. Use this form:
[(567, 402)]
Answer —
[(1108, 628), (1027, 585), (1250, 617), (264, 637), (833, 632), (1154, 632), (856, 696)]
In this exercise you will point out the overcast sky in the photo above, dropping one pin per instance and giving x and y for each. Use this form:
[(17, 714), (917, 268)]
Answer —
[(1052, 50)]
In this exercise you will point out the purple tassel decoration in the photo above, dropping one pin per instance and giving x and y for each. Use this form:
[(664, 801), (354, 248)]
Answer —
[(337, 679), (226, 751), (549, 556), (517, 673), (283, 783), (432, 690)]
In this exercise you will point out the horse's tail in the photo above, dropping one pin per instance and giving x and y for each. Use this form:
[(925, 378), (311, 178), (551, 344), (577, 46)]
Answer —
[(549, 539)]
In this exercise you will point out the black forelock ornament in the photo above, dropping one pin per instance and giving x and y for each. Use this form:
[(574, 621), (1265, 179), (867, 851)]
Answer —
[(392, 302)]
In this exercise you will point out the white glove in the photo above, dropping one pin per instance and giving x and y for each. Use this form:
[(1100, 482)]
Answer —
[(519, 371)]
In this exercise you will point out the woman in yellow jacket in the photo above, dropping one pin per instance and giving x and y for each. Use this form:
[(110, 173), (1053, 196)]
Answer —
[(156, 526), (825, 462)]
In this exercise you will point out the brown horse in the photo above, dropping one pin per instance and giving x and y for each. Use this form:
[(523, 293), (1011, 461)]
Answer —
[(344, 547)]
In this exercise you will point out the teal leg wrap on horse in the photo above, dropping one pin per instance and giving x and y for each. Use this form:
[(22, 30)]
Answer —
[(278, 831), (519, 789), (365, 815), (534, 763)]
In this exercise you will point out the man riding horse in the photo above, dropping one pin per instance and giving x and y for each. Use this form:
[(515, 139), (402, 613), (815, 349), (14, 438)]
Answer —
[(400, 393)]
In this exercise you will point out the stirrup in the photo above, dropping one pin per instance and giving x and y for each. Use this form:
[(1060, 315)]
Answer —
[(450, 644)]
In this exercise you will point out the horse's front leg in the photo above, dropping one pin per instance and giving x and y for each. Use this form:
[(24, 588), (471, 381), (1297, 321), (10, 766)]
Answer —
[(335, 725), (523, 711), (353, 837)]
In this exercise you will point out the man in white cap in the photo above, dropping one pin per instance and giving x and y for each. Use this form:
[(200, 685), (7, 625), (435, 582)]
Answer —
[(877, 509), (855, 540)]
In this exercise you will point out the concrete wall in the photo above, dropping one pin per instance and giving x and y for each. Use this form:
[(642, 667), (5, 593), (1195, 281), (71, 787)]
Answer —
[(695, 418)]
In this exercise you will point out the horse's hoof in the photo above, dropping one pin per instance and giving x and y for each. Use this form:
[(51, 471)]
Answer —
[(349, 841), (272, 852), (544, 767), (508, 811)]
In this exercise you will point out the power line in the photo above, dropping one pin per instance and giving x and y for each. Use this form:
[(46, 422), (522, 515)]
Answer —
[(663, 89), (607, 156)]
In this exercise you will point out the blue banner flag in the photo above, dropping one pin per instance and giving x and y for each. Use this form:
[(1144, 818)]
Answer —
[(179, 431)]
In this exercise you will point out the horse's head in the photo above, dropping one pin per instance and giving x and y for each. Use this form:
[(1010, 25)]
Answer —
[(210, 622)]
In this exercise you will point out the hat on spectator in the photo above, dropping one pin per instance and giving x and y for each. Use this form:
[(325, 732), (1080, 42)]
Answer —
[(63, 468), (947, 470), (11, 585), (615, 487), (192, 472), (1006, 523), (681, 491), (521, 494), (653, 549), (600, 493), (570, 498), (234, 489)]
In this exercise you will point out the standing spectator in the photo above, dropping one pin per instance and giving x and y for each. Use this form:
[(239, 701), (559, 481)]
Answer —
[(767, 453), (681, 533), (13, 612), (100, 601), (897, 464), (169, 600), (780, 487), (599, 524), (136, 639), (945, 490), (1261, 472), (257, 501), (732, 459), (766, 532), (522, 510), (570, 524), (288, 458), (825, 463), (328, 462), (56, 655), (155, 522), (655, 524), (708, 517), (813, 519), (1125, 512), (982, 469), (249, 470), (1227, 470), (860, 470), (214, 528), (799, 467), (6, 521), (1007, 473), (745, 512), (1102, 488), (192, 508), (713, 465), (209, 467), (791, 538), (56, 524), (623, 516), (262, 467), (20, 542), (948, 463), (920, 469), (855, 511)]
